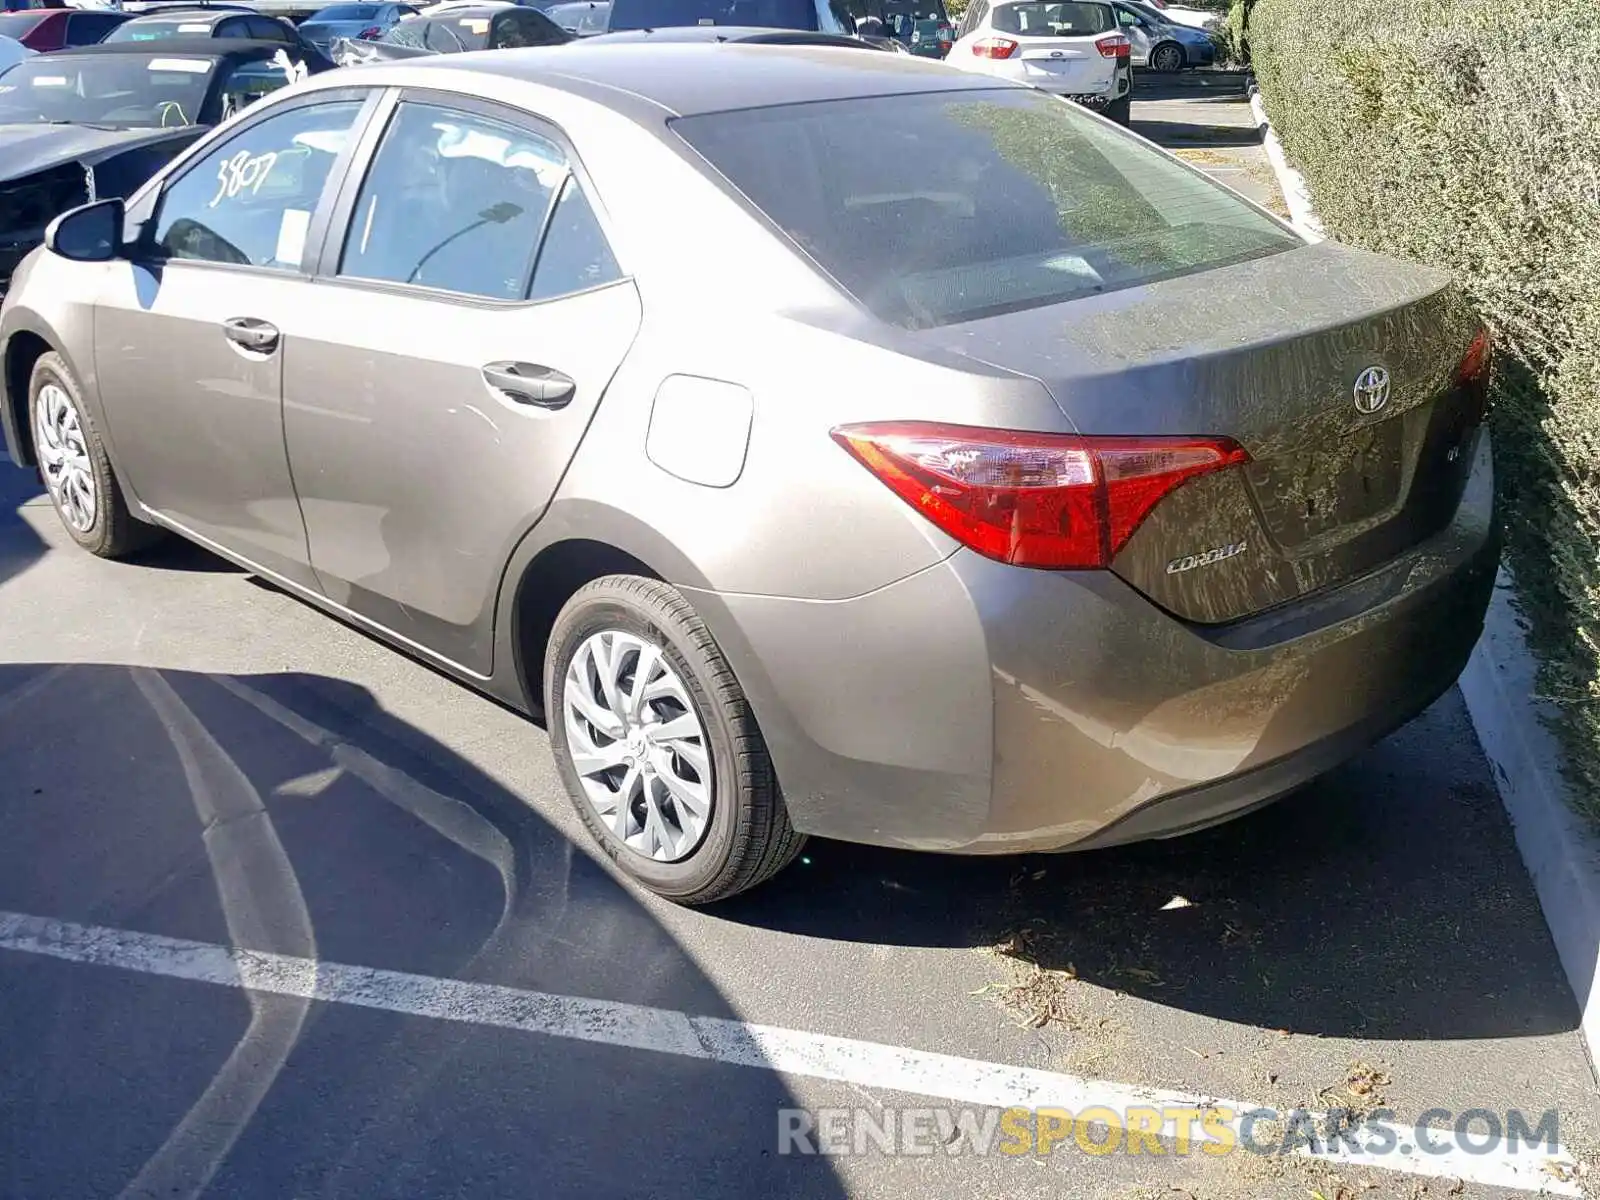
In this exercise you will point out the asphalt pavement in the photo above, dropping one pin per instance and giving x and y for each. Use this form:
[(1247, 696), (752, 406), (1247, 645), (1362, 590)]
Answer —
[(446, 995)]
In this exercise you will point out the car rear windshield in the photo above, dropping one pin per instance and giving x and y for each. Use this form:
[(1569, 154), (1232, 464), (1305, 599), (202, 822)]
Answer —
[(1054, 20), (585, 18), (121, 90), (446, 33), (666, 14), (348, 12), (951, 205)]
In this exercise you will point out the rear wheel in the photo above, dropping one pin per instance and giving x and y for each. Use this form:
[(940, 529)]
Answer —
[(1167, 57), (657, 745), (74, 466)]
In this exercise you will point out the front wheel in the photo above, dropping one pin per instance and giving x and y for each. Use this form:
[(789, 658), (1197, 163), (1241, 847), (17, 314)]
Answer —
[(657, 745), (1166, 58), (75, 468)]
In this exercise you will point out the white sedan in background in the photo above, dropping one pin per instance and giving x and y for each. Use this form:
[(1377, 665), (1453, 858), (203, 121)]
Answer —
[(12, 52), (1198, 18)]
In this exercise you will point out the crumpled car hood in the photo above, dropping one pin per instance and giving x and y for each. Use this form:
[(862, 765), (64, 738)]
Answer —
[(25, 149)]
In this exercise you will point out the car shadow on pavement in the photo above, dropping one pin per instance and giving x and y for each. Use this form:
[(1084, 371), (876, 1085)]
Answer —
[(1184, 134), (1385, 901), (290, 813), (1190, 85), (20, 546)]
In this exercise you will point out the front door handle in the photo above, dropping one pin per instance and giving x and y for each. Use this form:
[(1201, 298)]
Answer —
[(251, 333), (529, 383)]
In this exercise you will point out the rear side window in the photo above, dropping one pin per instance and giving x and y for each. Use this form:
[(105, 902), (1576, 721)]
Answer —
[(87, 28), (269, 30), (1054, 20), (462, 203), (947, 206), (518, 27)]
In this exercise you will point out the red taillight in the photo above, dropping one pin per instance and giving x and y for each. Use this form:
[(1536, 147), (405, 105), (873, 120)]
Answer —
[(370, 32), (1475, 370), (994, 48), (1033, 499), (1115, 46), (1474, 366)]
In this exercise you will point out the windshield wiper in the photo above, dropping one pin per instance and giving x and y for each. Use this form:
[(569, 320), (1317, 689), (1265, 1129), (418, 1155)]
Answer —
[(85, 124)]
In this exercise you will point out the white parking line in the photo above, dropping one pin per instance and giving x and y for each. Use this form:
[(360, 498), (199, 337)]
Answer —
[(716, 1039)]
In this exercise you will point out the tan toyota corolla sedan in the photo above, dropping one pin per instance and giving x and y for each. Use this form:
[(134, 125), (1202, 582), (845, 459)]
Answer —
[(822, 440)]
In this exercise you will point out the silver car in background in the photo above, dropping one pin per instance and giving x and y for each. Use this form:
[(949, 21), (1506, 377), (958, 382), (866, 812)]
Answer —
[(359, 22), (823, 442)]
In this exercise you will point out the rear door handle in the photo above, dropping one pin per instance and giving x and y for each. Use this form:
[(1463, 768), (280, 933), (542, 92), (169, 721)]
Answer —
[(529, 383), (251, 333)]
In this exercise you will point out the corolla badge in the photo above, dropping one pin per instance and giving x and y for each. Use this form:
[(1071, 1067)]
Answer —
[(1371, 390), (1205, 558)]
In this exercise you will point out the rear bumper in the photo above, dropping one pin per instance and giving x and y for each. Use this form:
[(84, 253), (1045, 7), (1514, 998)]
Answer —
[(1119, 85), (981, 708)]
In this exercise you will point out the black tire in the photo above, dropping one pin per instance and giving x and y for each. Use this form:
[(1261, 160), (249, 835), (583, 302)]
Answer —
[(748, 839), (1121, 111), (1167, 57), (114, 531)]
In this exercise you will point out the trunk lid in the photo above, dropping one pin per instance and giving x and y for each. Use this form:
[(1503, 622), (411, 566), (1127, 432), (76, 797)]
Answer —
[(1070, 64), (1271, 353)]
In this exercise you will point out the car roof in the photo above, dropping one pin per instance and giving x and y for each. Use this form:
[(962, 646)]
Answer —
[(196, 15), (180, 47), (468, 11), (729, 33), (645, 80)]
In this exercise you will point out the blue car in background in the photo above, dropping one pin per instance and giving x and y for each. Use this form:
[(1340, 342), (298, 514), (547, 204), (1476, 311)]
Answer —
[(359, 22)]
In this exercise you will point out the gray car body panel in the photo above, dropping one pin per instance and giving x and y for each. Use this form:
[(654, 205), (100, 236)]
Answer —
[(911, 692)]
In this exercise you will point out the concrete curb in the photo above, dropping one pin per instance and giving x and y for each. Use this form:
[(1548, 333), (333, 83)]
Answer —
[(1559, 849), (1561, 852), (1302, 213)]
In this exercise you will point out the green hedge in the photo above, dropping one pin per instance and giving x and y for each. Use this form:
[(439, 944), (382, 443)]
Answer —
[(1466, 133)]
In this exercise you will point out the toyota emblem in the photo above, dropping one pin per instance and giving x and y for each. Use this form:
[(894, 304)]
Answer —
[(1372, 390)]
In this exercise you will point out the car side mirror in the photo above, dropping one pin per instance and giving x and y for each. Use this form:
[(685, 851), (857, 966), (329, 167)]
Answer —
[(90, 233)]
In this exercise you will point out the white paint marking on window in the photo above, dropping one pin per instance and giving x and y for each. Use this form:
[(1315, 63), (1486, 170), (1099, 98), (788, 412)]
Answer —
[(714, 1039)]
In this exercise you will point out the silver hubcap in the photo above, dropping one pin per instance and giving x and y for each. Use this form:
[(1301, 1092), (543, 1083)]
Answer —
[(637, 745), (1168, 59), (64, 457)]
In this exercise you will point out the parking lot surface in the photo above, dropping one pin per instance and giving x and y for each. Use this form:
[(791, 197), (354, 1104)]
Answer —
[(193, 761), (284, 913)]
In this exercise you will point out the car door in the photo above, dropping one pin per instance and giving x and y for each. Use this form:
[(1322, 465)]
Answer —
[(1137, 30), (190, 336), (473, 317)]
